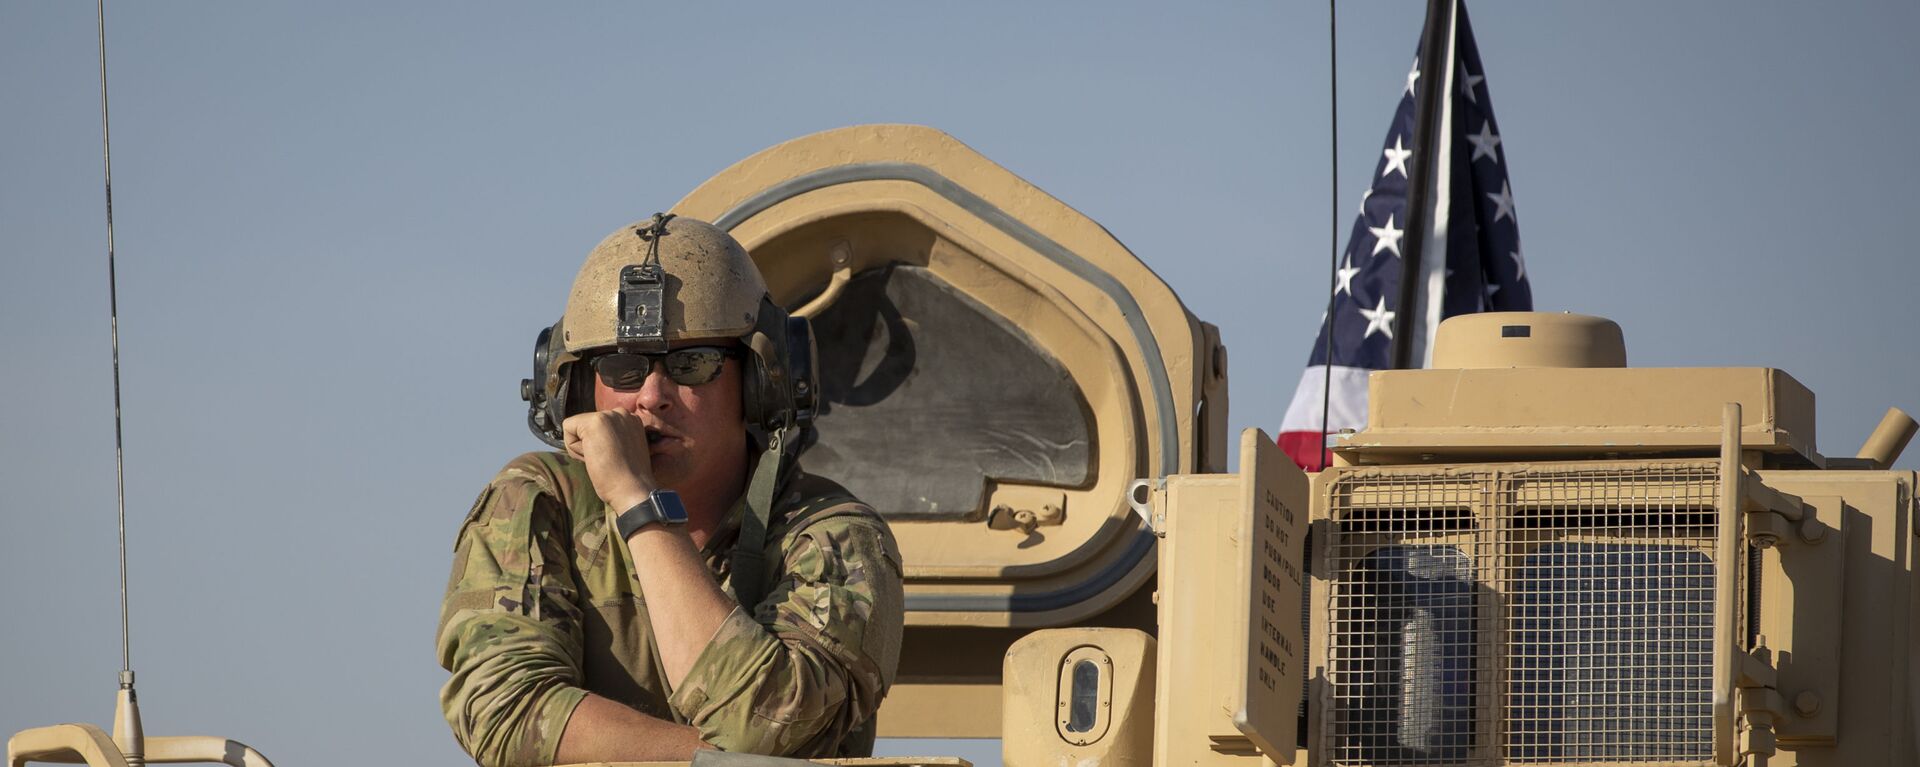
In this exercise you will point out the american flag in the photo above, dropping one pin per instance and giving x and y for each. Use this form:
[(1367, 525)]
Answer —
[(1470, 260)]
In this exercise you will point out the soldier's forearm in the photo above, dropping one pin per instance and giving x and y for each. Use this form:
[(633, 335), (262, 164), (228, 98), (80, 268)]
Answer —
[(684, 604), (604, 731)]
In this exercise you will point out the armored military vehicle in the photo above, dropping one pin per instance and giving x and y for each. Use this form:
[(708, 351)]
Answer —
[(1533, 553)]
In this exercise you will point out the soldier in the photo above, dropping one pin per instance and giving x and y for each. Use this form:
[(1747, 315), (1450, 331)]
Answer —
[(672, 581)]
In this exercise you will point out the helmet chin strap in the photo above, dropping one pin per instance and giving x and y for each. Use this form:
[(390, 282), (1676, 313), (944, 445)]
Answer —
[(749, 550)]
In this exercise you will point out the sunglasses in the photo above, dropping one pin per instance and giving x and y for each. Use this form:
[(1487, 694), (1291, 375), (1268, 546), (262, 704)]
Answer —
[(691, 366)]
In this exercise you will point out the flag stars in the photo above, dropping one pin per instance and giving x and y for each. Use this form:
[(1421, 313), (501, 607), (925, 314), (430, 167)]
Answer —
[(1346, 273), (1386, 237), (1379, 320), (1396, 159), (1519, 265), (1485, 142), (1468, 82), (1412, 75), (1503, 202)]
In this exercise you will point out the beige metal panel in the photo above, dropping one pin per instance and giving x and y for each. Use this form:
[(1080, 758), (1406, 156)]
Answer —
[(925, 710), (1232, 651), (1044, 723), (1191, 711), (1416, 415), (1528, 340), (949, 679), (1863, 628), (1266, 542)]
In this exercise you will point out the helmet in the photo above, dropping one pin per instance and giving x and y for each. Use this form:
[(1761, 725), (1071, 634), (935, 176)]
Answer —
[(670, 279), (706, 284)]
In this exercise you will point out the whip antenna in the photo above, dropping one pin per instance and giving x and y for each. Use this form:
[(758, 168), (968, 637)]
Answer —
[(77, 743), (113, 323), (127, 731), (1333, 216)]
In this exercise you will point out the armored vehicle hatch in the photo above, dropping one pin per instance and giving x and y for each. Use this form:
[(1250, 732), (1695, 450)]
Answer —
[(996, 369)]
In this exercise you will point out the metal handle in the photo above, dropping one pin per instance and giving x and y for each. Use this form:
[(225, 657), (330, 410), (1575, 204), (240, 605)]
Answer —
[(842, 259), (64, 744), (1726, 632), (90, 745)]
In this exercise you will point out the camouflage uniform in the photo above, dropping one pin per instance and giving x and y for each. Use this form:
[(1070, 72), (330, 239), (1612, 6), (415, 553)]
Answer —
[(543, 607)]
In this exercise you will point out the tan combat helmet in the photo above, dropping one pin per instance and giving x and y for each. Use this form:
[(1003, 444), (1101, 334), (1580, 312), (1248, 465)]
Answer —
[(670, 279), (708, 287)]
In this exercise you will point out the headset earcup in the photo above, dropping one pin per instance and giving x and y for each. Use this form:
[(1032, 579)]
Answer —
[(759, 399), (781, 378), (544, 411), (802, 373)]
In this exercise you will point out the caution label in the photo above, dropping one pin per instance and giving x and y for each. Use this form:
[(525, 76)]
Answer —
[(1273, 519)]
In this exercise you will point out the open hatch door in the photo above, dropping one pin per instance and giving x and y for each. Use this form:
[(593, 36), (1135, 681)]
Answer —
[(997, 369)]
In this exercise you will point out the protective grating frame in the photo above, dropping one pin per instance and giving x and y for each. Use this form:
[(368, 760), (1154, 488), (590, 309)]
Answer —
[(1521, 614)]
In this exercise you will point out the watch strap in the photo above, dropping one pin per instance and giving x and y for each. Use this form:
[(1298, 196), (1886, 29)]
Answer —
[(648, 511)]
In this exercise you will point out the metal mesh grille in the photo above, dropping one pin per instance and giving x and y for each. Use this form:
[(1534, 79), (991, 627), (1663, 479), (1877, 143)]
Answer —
[(1505, 615)]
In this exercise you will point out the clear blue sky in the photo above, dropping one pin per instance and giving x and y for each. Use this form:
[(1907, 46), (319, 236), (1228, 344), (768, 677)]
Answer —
[(341, 224)]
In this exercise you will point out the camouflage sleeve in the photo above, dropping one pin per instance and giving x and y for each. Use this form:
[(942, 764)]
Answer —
[(810, 666), (509, 626)]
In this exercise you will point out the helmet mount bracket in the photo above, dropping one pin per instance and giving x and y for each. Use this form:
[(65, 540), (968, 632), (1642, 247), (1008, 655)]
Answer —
[(642, 326), (642, 291)]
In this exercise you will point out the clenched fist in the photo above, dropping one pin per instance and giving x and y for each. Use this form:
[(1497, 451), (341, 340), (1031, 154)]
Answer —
[(613, 445)]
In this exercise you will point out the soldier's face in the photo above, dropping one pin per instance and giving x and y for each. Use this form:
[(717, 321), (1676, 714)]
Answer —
[(696, 434)]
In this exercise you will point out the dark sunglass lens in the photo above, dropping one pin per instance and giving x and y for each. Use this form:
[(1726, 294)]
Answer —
[(695, 366), (623, 371)]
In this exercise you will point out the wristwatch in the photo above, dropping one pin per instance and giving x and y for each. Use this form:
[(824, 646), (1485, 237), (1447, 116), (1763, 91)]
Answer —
[(661, 506)]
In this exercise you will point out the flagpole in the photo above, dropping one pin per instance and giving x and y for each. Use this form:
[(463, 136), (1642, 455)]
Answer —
[(1428, 90)]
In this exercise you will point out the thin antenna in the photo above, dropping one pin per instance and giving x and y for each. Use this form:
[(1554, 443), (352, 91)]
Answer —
[(1333, 225), (113, 319), (129, 736)]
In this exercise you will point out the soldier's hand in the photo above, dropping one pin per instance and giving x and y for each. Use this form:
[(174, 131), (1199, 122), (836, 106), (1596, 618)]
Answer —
[(613, 445)]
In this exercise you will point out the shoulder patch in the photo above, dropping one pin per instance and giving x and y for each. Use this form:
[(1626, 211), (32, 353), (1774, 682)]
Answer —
[(479, 505)]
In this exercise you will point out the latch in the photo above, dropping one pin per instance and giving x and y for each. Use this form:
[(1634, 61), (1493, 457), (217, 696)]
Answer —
[(1005, 517), (1026, 509), (1798, 601), (1140, 498)]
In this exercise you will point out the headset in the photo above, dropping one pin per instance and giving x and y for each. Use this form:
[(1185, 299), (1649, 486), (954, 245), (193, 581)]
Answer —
[(780, 380)]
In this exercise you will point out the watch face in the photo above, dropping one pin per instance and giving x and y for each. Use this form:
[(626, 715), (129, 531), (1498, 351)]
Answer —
[(667, 502)]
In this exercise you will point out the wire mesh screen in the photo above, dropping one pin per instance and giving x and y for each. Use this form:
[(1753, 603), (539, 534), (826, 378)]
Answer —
[(1521, 615)]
